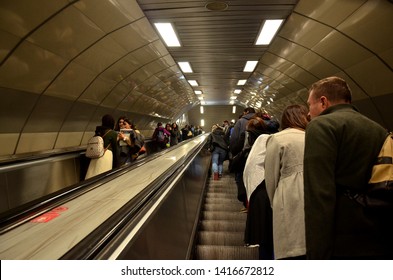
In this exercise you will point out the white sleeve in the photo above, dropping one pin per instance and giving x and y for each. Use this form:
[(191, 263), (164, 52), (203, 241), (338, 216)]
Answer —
[(254, 171), (272, 166)]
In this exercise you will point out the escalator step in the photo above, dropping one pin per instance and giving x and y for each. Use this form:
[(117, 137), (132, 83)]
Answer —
[(221, 238), (228, 226), (222, 215), (212, 252), (230, 207)]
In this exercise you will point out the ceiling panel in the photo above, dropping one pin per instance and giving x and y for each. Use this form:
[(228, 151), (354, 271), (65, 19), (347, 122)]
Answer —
[(30, 68), (373, 76), (80, 76), (22, 16), (331, 12), (348, 54), (373, 19), (110, 15), (67, 34), (303, 31)]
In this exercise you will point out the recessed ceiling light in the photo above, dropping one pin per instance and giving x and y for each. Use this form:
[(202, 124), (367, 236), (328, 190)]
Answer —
[(185, 67), (194, 83), (241, 82), (250, 66), (237, 91), (268, 30), (168, 34), (198, 91)]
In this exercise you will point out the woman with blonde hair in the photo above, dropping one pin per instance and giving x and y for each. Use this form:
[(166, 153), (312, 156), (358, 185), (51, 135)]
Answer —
[(218, 147)]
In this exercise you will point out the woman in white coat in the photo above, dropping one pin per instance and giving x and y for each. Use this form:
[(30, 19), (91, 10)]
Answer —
[(284, 183)]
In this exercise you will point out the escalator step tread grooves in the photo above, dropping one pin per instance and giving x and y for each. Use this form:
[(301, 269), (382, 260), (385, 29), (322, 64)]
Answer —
[(221, 229)]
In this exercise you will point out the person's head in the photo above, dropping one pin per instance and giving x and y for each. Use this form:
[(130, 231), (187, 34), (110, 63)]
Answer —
[(174, 126), (159, 124), (294, 116), (168, 126), (272, 126), (328, 92), (255, 127), (226, 123), (119, 123), (248, 110), (108, 121), (127, 124)]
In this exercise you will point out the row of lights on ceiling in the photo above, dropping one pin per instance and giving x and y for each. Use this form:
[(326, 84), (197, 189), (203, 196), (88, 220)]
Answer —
[(268, 30)]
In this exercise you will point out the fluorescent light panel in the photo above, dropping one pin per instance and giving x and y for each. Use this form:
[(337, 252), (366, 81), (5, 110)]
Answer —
[(202, 122), (194, 83), (201, 109), (185, 67), (250, 66), (198, 91), (241, 82), (268, 30), (237, 91), (233, 109), (168, 34)]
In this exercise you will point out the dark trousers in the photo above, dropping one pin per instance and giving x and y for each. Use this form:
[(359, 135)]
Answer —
[(241, 189)]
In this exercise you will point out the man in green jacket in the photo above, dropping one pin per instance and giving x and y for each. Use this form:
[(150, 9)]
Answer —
[(340, 148)]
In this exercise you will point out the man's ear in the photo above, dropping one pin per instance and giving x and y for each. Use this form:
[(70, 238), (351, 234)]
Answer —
[(324, 102)]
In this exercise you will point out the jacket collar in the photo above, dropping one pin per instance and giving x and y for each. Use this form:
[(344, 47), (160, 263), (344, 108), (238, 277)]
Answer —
[(339, 107)]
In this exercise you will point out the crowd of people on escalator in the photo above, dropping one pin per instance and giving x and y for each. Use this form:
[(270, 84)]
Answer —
[(293, 177)]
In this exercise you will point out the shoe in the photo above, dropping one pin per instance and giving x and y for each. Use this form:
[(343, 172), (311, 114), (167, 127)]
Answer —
[(219, 175), (251, 245), (243, 210), (215, 176)]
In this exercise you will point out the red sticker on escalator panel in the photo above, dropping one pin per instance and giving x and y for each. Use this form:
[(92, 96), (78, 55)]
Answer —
[(44, 218)]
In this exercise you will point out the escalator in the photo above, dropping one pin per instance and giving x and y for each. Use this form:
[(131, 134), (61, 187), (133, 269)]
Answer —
[(221, 230)]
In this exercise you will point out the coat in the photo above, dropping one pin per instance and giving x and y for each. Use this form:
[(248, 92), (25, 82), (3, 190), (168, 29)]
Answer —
[(236, 143), (341, 146), (217, 138), (285, 188)]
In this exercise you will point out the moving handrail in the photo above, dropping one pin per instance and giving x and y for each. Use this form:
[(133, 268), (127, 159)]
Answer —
[(86, 212), (96, 245), (18, 215)]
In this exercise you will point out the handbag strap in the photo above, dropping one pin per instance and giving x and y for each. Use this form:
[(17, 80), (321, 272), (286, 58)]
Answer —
[(103, 138)]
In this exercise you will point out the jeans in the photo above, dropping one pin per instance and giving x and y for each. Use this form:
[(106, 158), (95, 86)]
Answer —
[(218, 157)]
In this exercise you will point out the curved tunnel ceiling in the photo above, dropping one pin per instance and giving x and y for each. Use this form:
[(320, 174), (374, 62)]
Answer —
[(63, 64)]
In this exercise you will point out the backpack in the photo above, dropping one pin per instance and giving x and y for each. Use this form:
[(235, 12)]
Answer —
[(139, 140), (95, 146), (379, 194), (161, 136)]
